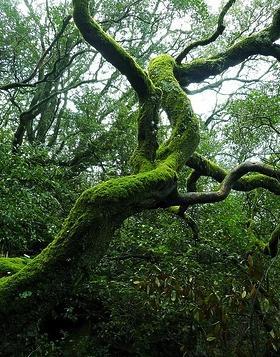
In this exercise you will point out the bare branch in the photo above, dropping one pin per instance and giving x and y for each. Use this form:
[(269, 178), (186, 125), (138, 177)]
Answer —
[(220, 29), (34, 110), (24, 83), (222, 80)]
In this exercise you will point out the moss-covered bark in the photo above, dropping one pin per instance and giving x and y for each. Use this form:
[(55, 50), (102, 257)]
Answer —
[(260, 43), (205, 167), (10, 266), (36, 289), (184, 138)]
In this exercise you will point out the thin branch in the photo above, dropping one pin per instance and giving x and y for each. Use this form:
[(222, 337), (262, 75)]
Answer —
[(219, 30), (222, 80), (32, 112)]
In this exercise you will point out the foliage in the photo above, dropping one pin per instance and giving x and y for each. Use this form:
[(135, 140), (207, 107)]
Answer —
[(159, 293), (35, 198)]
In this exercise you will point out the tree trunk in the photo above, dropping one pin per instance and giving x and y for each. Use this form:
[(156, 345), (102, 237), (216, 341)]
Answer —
[(32, 293)]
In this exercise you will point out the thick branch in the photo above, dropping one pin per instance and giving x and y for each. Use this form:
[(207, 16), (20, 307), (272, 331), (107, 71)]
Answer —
[(261, 43), (227, 184), (110, 49), (184, 137), (220, 29)]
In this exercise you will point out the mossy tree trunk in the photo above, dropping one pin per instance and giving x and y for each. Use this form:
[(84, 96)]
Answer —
[(33, 292)]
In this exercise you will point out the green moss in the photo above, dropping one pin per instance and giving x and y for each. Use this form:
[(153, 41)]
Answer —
[(9, 266), (111, 50), (144, 156), (184, 138), (43, 283)]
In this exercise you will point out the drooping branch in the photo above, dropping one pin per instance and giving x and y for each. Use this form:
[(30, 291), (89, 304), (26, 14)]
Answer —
[(191, 198), (110, 49), (219, 30), (261, 43), (206, 167), (191, 223)]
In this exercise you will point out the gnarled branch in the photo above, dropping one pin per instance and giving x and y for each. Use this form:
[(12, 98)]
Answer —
[(206, 167)]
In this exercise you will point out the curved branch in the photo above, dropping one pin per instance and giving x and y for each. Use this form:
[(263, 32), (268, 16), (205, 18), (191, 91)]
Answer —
[(227, 184), (191, 223), (110, 49), (261, 43), (220, 29), (208, 168)]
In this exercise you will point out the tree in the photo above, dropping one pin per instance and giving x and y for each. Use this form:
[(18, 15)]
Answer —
[(87, 232)]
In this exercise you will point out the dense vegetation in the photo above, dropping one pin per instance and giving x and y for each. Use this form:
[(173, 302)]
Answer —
[(171, 244)]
